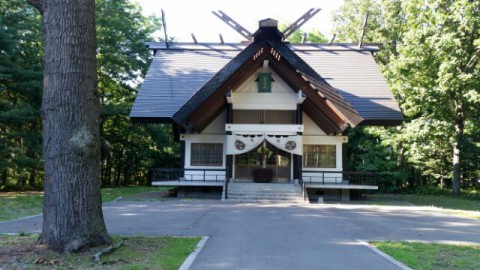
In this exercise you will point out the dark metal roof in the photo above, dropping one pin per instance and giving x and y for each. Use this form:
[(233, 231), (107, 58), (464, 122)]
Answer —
[(241, 46), (357, 77), (173, 77), (340, 104), (178, 72)]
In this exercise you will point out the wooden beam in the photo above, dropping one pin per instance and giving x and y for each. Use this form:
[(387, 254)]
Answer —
[(295, 81), (320, 118), (364, 28), (210, 109), (298, 23), (233, 24), (332, 39), (164, 26)]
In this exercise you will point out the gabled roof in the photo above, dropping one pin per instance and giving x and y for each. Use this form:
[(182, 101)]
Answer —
[(173, 77), (210, 100), (346, 79)]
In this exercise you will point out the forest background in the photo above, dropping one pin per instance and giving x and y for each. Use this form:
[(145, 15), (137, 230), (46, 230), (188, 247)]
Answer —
[(430, 56)]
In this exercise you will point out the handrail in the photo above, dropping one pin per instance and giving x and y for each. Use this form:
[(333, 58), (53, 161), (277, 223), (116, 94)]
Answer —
[(187, 175), (340, 177)]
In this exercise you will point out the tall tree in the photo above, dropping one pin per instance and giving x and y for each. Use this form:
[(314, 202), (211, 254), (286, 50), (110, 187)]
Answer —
[(431, 60), (72, 214), (438, 69), (21, 73), (123, 60)]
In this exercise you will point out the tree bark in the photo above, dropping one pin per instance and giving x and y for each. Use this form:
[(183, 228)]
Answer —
[(72, 213), (459, 126), (457, 170), (4, 178)]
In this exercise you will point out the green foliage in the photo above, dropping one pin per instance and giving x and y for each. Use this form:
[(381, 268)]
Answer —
[(21, 74), (349, 19), (314, 36), (122, 61), (430, 57)]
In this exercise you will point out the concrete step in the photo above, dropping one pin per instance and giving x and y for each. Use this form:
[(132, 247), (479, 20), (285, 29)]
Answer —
[(265, 193), (257, 198), (266, 201)]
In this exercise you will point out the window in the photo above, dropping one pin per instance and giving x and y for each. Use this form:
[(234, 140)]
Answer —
[(319, 156), (263, 117), (206, 154)]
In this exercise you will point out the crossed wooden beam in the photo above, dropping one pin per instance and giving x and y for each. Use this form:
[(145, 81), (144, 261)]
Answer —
[(249, 36)]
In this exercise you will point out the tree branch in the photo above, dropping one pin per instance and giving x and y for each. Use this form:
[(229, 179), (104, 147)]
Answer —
[(38, 4), (96, 256), (473, 60)]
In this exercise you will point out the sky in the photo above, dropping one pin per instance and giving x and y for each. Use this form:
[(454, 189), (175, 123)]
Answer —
[(184, 17)]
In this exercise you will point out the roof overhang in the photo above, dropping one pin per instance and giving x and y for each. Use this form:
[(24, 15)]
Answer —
[(323, 104)]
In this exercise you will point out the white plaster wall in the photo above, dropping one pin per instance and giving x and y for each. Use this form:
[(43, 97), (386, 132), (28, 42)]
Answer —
[(250, 85), (218, 125), (310, 128), (282, 97)]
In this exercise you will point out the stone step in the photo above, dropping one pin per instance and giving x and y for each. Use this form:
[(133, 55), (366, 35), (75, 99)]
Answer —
[(230, 190), (296, 200), (266, 201), (279, 195), (265, 193)]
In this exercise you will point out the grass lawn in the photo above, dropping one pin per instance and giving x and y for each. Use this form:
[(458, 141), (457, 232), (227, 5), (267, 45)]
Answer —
[(421, 256), (466, 206), (21, 204), (21, 252)]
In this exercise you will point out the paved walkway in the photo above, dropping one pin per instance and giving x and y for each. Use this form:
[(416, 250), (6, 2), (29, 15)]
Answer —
[(246, 236)]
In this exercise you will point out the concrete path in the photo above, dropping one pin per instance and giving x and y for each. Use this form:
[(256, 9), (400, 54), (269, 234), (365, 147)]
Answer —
[(312, 236)]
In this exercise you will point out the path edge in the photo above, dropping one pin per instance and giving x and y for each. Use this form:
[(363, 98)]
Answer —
[(191, 258), (384, 255)]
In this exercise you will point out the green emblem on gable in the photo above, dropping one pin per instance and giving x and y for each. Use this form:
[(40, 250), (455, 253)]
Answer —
[(264, 82)]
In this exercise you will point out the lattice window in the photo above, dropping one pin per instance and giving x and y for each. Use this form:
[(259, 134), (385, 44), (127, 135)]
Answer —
[(263, 117), (206, 154), (319, 156)]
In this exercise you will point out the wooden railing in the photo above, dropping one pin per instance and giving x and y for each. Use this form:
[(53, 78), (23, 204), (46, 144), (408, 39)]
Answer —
[(340, 177)]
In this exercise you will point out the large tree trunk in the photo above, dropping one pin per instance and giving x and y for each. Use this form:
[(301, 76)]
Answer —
[(3, 177), (459, 126), (72, 213), (457, 170)]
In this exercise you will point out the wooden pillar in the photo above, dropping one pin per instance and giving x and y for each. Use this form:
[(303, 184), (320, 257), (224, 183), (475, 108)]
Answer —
[(182, 158), (344, 157), (229, 119), (297, 160), (229, 158)]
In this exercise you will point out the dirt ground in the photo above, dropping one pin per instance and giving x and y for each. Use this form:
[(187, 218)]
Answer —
[(23, 252)]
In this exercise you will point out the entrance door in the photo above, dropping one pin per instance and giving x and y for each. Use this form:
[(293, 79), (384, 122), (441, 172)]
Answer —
[(268, 156)]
